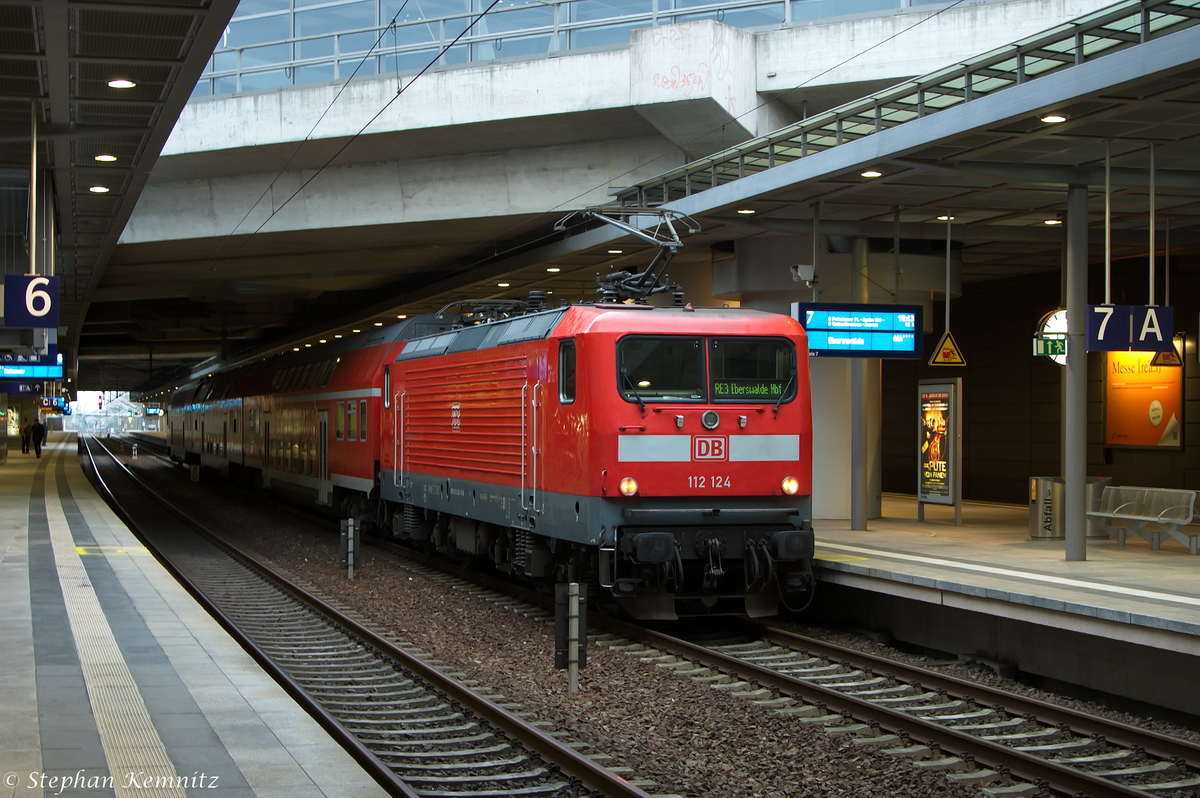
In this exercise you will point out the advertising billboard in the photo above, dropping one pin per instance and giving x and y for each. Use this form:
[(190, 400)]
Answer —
[(1143, 403), (937, 442)]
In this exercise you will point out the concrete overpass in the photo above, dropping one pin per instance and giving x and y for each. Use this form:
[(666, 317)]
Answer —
[(260, 225)]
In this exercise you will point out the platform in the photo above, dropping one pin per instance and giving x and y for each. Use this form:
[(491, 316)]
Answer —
[(990, 565), (113, 680)]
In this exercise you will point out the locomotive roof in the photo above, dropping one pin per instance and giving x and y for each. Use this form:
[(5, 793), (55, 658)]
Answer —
[(536, 326)]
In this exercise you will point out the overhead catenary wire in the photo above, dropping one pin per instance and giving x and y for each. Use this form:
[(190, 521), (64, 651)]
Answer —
[(400, 89), (754, 109), (558, 207), (495, 239)]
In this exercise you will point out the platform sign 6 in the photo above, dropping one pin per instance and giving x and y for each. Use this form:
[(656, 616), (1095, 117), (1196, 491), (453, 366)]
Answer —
[(1130, 328), (30, 300)]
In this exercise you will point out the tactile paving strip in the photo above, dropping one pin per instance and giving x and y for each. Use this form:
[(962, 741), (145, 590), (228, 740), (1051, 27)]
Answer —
[(137, 758)]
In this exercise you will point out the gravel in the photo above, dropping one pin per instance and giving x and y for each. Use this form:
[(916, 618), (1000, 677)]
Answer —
[(687, 738)]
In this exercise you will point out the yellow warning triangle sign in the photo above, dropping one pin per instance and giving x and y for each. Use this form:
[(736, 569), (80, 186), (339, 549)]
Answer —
[(947, 353), (1171, 358)]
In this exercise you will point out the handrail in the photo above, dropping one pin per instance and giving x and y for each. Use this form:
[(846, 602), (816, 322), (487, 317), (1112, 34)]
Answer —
[(1092, 36)]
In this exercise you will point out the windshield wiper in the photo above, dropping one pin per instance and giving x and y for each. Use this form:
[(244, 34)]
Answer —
[(641, 404), (783, 395)]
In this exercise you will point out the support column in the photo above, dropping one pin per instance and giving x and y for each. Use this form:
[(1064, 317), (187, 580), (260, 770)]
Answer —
[(1074, 411), (859, 464)]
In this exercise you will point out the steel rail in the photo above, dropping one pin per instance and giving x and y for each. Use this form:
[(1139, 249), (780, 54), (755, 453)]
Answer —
[(1122, 734), (378, 770), (1117, 733), (592, 775), (1060, 778)]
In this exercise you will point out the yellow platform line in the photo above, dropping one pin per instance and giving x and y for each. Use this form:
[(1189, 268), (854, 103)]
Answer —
[(133, 551), (137, 759)]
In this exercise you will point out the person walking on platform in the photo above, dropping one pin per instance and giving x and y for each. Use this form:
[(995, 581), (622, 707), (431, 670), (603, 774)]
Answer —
[(25, 435), (38, 432)]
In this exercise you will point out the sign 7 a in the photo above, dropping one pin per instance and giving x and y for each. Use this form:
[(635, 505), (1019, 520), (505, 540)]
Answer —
[(1130, 328)]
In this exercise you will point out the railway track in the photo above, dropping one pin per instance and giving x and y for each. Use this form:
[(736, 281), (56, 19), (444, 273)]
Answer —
[(1006, 743), (418, 731)]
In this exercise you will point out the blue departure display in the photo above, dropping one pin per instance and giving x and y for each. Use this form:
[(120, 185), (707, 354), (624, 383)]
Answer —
[(846, 330), (32, 367), (17, 371)]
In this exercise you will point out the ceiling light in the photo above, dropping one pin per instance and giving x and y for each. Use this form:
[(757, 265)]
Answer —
[(295, 349), (337, 336), (308, 345), (378, 324), (354, 331), (553, 269), (945, 218), (99, 189), (402, 316), (323, 341), (615, 251), (872, 173), (746, 211), (1053, 221), (121, 83), (1054, 118), (503, 285), (104, 158)]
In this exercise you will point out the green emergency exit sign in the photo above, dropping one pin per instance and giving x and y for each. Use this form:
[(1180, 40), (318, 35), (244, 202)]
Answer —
[(1050, 345)]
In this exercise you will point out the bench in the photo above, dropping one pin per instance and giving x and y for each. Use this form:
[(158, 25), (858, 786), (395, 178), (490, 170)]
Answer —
[(1149, 512)]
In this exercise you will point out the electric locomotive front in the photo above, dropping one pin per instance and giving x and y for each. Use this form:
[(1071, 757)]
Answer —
[(703, 441), (664, 453)]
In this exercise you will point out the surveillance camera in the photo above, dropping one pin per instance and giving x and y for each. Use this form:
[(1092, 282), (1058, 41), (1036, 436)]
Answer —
[(804, 274)]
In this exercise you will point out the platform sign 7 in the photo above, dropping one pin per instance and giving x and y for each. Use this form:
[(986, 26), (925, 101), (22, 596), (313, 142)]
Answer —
[(1130, 328), (30, 300)]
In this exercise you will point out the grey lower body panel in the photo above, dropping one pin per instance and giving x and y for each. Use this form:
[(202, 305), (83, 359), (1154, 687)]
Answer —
[(588, 520)]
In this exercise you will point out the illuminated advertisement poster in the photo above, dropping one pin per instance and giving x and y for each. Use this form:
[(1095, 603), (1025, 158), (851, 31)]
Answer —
[(936, 406), (1143, 404)]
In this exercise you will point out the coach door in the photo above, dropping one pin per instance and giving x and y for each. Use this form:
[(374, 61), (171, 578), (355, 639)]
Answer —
[(266, 452), (324, 485)]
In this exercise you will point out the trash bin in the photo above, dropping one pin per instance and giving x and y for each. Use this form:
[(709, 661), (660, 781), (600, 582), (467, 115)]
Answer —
[(1046, 495), (1095, 492)]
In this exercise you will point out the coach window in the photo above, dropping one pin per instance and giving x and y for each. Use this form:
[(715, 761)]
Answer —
[(387, 387), (339, 421), (351, 421), (566, 372), (362, 420)]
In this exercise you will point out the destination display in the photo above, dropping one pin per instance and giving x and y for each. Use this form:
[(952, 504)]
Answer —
[(32, 367), (20, 371), (748, 389), (849, 330)]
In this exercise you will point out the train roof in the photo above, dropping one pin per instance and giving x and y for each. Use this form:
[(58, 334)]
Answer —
[(540, 325), (406, 330)]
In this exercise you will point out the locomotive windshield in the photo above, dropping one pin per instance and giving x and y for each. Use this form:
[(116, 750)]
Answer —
[(752, 369), (661, 368), (676, 368)]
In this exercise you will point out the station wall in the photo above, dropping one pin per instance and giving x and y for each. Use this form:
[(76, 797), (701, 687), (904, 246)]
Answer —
[(1011, 399)]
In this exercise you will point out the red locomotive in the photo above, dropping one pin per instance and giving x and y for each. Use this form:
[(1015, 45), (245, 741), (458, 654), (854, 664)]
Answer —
[(661, 453)]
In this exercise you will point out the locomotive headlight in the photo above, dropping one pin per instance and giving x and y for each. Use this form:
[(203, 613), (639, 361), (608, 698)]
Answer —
[(628, 486), (790, 485)]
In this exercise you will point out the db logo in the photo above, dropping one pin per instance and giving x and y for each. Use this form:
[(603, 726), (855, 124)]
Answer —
[(714, 448)]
